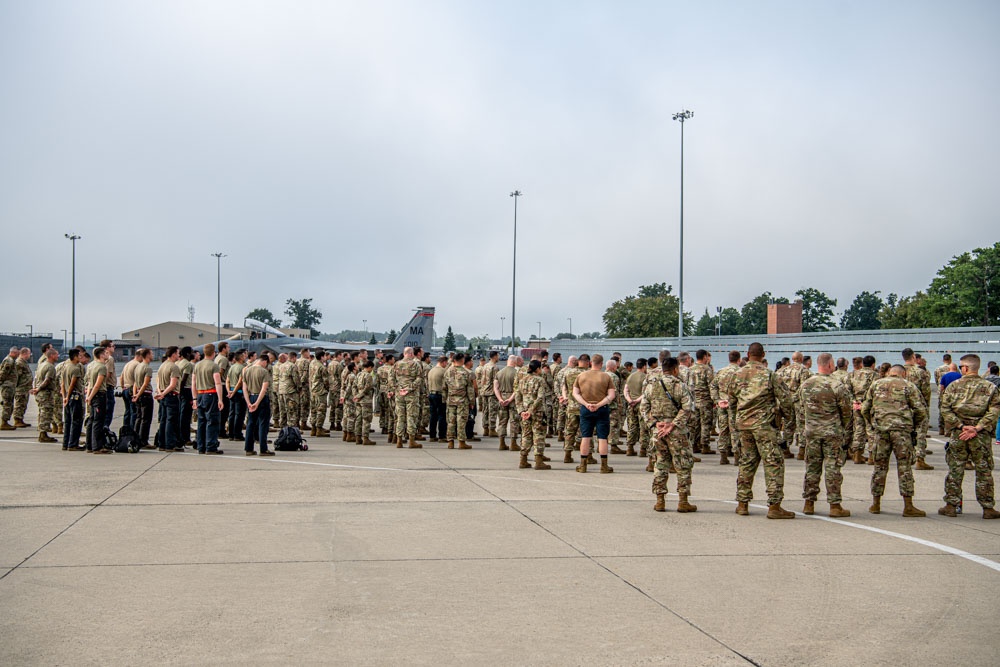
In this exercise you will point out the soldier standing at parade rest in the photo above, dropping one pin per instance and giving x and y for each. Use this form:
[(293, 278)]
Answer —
[(458, 396), (206, 382), (758, 396), (532, 388), (665, 407), (222, 358), (858, 382), (435, 388), (407, 379), (46, 395), (8, 378), (938, 374), (234, 389), (168, 380), (594, 391), (257, 383), (633, 397), (825, 415), (922, 379), (97, 399), (364, 395), (72, 394), (971, 406), (22, 387), (503, 390), (142, 397), (895, 408), (128, 389)]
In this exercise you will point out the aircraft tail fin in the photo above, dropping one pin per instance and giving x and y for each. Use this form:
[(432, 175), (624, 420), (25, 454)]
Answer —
[(418, 332)]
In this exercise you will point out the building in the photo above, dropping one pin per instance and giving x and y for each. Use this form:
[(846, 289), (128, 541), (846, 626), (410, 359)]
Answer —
[(165, 334), (784, 318)]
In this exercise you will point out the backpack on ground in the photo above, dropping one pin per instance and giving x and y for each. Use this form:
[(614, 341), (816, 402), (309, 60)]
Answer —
[(289, 440), (124, 442)]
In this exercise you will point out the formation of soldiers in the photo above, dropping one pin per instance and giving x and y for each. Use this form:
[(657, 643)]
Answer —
[(667, 408)]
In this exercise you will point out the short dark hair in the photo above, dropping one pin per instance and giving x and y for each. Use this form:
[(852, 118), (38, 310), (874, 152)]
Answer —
[(946, 357), (755, 350), (556, 356), (583, 357), (351, 366), (170, 351), (670, 363), (868, 361), (734, 357), (907, 353), (700, 354), (652, 362), (187, 352), (640, 363), (494, 354), (534, 365), (73, 353), (459, 356), (369, 364)]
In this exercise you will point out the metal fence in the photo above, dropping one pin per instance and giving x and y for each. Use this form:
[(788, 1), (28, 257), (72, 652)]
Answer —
[(884, 344), (33, 341)]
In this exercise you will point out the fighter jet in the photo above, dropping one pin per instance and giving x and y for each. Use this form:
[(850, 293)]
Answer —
[(418, 332)]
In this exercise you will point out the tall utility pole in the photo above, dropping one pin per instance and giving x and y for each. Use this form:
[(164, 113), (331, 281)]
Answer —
[(502, 318), (218, 294), (74, 238), (539, 330), (513, 289), (681, 116), (570, 325), (31, 338)]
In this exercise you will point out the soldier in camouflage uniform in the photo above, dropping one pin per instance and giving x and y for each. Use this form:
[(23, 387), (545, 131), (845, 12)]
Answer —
[(22, 387), (348, 379), (458, 397), (700, 377), (8, 379), (407, 379), (334, 371), (558, 409), (825, 415), (46, 393), (531, 407), (490, 404), (793, 375), (614, 408), (290, 386), (922, 379), (633, 398), (384, 375), (572, 371), (758, 395), (728, 435), (423, 362), (318, 389), (278, 417), (858, 382), (507, 417), (666, 404), (971, 407), (305, 400), (363, 398), (895, 408), (938, 374)]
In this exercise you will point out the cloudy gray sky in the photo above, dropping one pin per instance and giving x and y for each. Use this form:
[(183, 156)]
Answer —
[(361, 154)]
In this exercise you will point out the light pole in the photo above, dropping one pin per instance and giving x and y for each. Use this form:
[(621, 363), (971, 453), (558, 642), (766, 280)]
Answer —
[(502, 318), (513, 289), (31, 338), (718, 310), (366, 329), (570, 326), (74, 238), (539, 330), (218, 294), (681, 116), (64, 340), (95, 339)]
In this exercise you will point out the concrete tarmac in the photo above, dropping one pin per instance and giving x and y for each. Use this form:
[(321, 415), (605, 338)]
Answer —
[(353, 555)]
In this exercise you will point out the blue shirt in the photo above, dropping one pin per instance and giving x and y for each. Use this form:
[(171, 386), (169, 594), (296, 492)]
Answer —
[(948, 378)]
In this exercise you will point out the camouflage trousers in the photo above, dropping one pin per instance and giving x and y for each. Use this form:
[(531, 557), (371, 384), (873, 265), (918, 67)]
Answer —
[(920, 442), (533, 430), (729, 437), (277, 409), (634, 428), (788, 429), (560, 416), (318, 412), (336, 409), (824, 454), (702, 426), (455, 417), (507, 415), (761, 445), (615, 419), (863, 436), (674, 450), (20, 404), (6, 402), (979, 450), (493, 405), (550, 416), (49, 403), (289, 409), (940, 395), (571, 429), (885, 444), (407, 415), (388, 407), (304, 403), (484, 412), (350, 415), (425, 411), (363, 414)]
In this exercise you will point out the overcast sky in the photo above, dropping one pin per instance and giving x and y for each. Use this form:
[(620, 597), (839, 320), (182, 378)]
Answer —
[(362, 153)]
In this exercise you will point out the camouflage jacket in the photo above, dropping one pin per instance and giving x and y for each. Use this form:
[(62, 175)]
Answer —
[(407, 375), (700, 378), (793, 375), (939, 373), (347, 385), (532, 394), (757, 395), (23, 382), (921, 378), (616, 381), (722, 381), (319, 381), (568, 381), (336, 372), (303, 366), (656, 406), (489, 374), (894, 404), (858, 382), (8, 371), (288, 379), (384, 374), (458, 386), (841, 375), (971, 401), (824, 406), (364, 386)]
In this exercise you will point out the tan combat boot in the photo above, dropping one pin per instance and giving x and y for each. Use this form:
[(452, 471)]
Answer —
[(683, 506), (503, 444), (661, 504), (514, 446), (493, 433), (44, 437), (809, 507), (7, 427), (20, 423), (707, 449), (451, 444), (561, 438), (876, 506), (838, 512), (743, 508), (630, 451), (524, 460), (399, 442), (909, 510), (605, 468), (990, 513), (696, 448), (642, 450), (801, 455), (414, 444), (420, 438), (923, 465), (941, 431), (540, 463), (462, 445), (723, 459), (649, 466), (775, 511), (583, 465), (313, 432), (367, 441), (949, 510), (615, 449), (787, 453), (568, 457)]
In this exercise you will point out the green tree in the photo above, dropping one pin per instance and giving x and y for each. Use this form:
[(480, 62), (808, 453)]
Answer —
[(730, 322), (565, 336), (652, 312), (303, 315), (817, 309), (391, 336), (966, 291), (706, 325), (909, 312), (480, 342), (753, 316), (264, 315), (372, 341), (449, 341), (863, 313)]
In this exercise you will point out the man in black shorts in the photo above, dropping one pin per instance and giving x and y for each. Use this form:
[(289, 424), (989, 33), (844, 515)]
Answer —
[(594, 391)]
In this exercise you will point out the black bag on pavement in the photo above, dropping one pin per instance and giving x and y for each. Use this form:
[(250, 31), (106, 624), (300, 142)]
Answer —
[(124, 442), (289, 440)]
